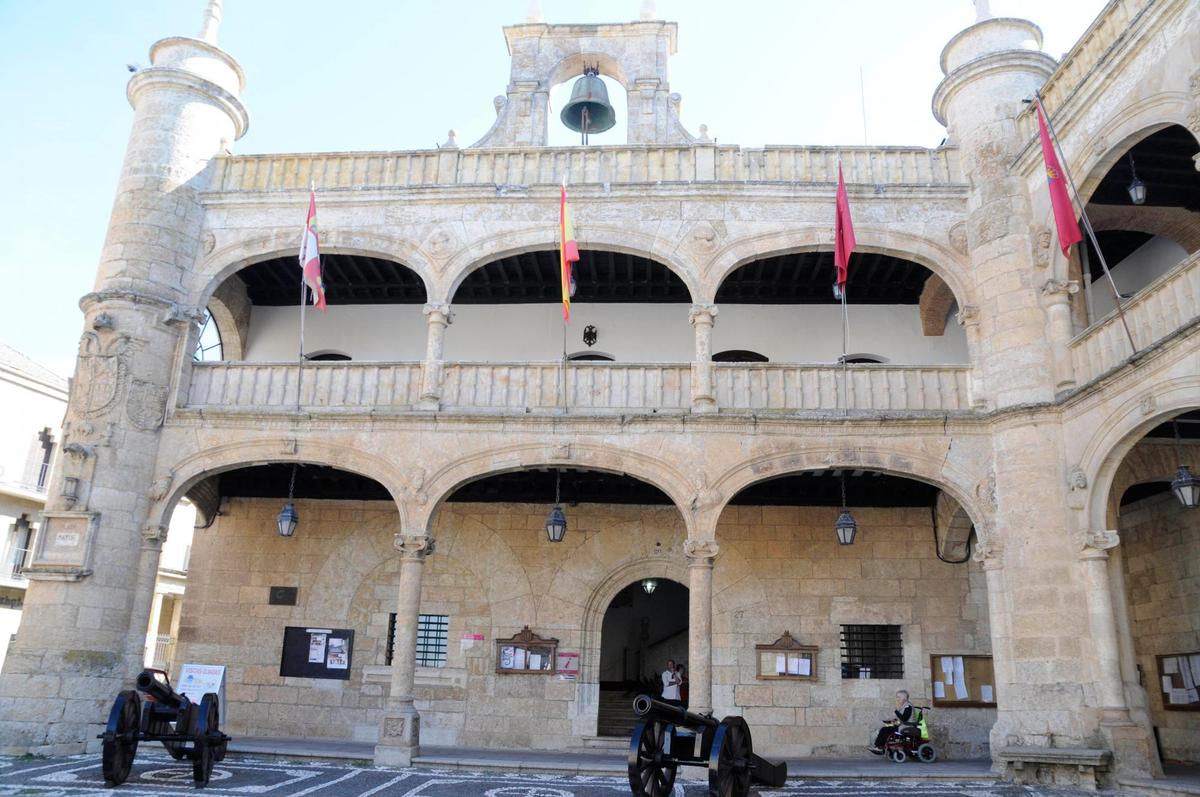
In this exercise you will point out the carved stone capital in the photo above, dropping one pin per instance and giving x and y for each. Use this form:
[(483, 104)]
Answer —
[(154, 534), (413, 546), (1059, 290), (703, 314), (438, 313), (1094, 544), (701, 552), (178, 315), (989, 553), (967, 315)]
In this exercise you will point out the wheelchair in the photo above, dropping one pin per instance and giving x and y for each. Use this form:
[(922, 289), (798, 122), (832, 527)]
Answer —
[(911, 741)]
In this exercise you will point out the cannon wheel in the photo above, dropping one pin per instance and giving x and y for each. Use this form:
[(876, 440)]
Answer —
[(730, 759), (121, 738), (205, 745), (648, 775)]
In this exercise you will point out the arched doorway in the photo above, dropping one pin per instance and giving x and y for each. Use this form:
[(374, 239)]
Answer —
[(644, 625)]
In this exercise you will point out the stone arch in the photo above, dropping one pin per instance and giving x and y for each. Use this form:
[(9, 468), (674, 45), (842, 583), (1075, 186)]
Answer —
[(971, 492), (1129, 126), (942, 261), (1175, 224), (230, 311), (935, 304), (1148, 463), (222, 263), (590, 236), (1116, 436), (435, 488), (572, 64), (190, 470)]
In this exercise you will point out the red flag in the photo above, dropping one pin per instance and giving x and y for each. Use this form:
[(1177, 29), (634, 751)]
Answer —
[(1060, 200), (843, 233), (310, 255), (568, 252)]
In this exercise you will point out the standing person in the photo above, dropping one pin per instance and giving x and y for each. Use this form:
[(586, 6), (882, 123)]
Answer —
[(683, 684), (903, 712), (671, 681)]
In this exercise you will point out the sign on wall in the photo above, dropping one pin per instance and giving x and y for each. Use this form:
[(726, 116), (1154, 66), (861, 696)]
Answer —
[(316, 653)]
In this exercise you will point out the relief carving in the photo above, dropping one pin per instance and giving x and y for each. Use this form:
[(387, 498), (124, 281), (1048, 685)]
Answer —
[(100, 375), (146, 405), (1043, 255), (703, 550), (958, 237)]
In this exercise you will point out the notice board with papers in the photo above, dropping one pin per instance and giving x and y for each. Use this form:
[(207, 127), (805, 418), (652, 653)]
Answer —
[(317, 652), (1179, 681), (962, 681)]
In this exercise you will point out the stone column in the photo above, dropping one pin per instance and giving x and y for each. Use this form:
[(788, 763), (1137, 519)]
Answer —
[(702, 317), (968, 319), (990, 555), (437, 318), (1056, 295), (1107, 655), (700, 554), (150, 638), (400, 729)]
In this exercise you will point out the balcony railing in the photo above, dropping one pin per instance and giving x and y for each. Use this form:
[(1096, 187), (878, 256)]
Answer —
[(587, 387), (1169, 303), (14, 561), (514, 168)]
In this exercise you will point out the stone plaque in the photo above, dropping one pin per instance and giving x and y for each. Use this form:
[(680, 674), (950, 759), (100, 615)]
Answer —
[(283, 596), (64, 545)]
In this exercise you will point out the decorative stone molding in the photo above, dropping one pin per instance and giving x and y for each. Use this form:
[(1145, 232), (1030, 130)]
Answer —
[(1043, 253), (701, 552), (146, 404), (1077, 479), (1148, 404), (208, 241), (414, 491), (103, 321), (703, 314), (182, 316), (989, 553), (414, 547), (161, 487), (958, 237), (1059, 290), (1094, 544), (967, 315), (441, 243), (438, 313), (154, 534)]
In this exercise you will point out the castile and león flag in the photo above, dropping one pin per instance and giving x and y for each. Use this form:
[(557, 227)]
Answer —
[(568, 252), (310, 255)]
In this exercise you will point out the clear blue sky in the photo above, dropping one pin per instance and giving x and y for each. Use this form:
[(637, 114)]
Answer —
[(396, 74)]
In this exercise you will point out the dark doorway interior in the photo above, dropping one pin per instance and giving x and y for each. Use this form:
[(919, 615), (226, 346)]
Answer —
[(641, 631)]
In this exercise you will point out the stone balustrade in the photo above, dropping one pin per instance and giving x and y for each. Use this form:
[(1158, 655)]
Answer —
[(1162, 307), (481, 388), (512, 169)]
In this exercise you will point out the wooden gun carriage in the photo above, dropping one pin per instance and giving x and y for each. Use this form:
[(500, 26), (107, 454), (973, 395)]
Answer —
[(669, 737), (187, 729)]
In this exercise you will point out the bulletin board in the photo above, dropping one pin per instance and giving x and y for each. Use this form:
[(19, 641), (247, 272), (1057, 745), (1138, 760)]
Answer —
[(962, 681), (317, 653), (1179, 681)]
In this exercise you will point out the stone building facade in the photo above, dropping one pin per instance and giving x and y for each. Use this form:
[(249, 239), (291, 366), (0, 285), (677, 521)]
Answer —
[(1026, 532)]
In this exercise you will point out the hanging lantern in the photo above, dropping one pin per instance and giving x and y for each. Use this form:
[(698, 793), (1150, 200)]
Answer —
[(649, 585), (556, 523), (287, 519), (845, 527), (1186, 488), (1137, 189)]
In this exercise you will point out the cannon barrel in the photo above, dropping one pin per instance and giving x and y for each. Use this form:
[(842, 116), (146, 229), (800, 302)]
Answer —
[(646, 706), (160, 690)]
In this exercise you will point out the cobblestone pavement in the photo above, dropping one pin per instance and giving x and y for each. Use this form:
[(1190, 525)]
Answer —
[(156, 775)]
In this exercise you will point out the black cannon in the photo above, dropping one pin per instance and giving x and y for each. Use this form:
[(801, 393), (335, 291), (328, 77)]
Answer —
[(187, 729), (669, 737)]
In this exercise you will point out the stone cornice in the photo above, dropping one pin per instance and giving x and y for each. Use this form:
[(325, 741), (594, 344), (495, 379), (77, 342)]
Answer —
[(157, 77), (1004, 61)]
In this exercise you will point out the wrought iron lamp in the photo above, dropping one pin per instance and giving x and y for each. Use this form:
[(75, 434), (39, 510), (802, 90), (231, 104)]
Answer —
[(287, 520), (649, 585), (1185, 486), (556, 523), (1137, 189), (845, 526)]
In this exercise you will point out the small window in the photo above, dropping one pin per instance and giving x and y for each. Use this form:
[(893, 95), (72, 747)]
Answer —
[(208, 342), (872, 651), (433, 632), (591, 356), (739, 356), (869, 359), (327, 356)]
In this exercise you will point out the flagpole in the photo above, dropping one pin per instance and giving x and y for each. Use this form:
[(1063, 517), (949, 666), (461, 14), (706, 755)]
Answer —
[(1087, 223), (300, 364), (845, 345)]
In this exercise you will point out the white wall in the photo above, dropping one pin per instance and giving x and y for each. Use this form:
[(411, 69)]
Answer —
[(1147, 263), (29, 407), (628, 332), (179, 537)]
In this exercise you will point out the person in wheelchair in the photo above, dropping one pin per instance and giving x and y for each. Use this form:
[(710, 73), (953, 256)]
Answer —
[(902, 723)]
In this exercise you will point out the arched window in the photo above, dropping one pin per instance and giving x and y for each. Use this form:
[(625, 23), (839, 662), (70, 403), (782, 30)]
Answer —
[(328, 356), (208, 343), (591, 356), (864, 358), (739, 356)]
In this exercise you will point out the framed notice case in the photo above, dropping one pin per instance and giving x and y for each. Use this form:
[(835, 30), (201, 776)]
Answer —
[(317, 653), (526, 652), (963, 681)]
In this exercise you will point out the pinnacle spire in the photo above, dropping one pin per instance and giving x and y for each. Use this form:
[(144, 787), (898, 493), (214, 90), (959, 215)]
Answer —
[(983, 10), (648, 10), (212, 21), (534, 12)]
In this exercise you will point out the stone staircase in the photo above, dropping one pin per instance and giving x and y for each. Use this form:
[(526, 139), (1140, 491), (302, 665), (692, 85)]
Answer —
[(615, 717)]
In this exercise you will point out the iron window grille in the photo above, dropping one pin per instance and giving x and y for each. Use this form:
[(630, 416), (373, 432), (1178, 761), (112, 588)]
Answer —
[(872, 651), (433, 632)]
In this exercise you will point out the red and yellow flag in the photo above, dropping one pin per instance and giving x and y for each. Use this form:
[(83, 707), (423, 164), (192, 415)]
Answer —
[(568, 252), (1060, 200), (310, 254)]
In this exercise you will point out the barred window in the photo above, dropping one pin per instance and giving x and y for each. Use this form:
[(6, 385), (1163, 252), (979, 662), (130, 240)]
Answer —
[(872, 651), (433, 631)]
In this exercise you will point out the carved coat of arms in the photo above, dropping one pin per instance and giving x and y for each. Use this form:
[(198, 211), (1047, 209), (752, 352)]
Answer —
[(146, 405), (99, 375)]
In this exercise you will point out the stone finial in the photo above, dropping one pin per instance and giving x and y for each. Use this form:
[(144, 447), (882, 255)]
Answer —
[(648, 10), (983, 10), (451, 140), (211, 23), (533, 13), (704, 134)]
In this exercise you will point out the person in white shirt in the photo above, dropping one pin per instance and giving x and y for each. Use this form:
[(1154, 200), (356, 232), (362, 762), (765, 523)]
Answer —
[(671, 681)]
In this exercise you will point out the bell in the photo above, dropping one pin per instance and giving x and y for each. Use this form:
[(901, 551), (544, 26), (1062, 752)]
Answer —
[(588, 110)]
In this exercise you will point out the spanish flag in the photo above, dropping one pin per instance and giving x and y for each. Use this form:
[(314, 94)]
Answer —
[(568, 252)]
